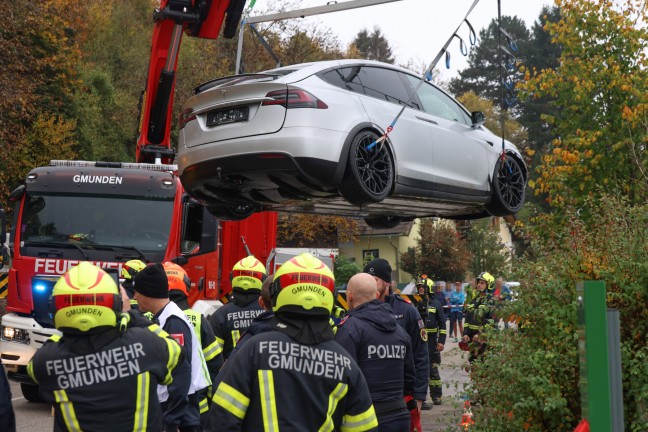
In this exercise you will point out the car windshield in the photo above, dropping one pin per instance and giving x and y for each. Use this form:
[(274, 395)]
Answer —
[(96, 227)]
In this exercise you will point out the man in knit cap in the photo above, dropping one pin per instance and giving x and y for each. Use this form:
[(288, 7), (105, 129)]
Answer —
[(180, 399)]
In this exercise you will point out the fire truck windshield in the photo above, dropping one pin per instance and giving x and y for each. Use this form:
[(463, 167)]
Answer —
[(105, 228)]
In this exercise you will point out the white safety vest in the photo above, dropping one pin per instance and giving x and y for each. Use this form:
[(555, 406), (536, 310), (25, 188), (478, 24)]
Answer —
[(198, 380)]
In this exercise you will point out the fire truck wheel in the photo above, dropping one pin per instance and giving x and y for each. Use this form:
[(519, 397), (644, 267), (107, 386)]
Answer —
[(30, 392)]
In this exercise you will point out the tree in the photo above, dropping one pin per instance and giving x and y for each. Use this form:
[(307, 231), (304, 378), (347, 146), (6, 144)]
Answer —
[(343, 269), (482, 76), (600, 97), (373, 46), (39, 53), (312, 230), (488, 253), (439, 252)]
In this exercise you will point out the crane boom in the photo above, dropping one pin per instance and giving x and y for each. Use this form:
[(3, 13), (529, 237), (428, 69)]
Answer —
[(197, 18)]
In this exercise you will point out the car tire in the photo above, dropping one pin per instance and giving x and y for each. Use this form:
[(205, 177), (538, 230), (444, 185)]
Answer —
[(508, 185), (233, 213), (369, 174), (382, 222), (30, 392)]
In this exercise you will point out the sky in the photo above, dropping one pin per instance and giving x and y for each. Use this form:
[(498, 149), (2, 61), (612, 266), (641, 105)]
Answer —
[(418, 29)]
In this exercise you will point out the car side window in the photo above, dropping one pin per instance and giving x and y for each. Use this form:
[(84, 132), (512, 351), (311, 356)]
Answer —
[(344, 78), (437, 103), (383, 84)]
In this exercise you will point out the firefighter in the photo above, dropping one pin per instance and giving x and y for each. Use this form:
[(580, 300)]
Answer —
[(180, 399), (97, 368), (179, 286), (230, 321), (383, 350), (128, 272), (408, 317), (436, 337), (478, 313), (295, 377)]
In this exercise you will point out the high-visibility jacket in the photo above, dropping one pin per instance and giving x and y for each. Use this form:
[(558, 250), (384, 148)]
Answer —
[(477, 313), (274, 383), (106, 380), (212, 351), (229, 322)]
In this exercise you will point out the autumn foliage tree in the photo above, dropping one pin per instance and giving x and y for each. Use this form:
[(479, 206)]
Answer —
[(600, 92), (594, 180), (439, 252)]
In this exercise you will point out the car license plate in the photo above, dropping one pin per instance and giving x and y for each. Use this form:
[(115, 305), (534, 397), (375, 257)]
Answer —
[(227, 116)]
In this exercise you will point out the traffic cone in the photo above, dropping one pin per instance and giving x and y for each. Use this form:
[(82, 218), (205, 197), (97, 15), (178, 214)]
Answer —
[(466, 417)]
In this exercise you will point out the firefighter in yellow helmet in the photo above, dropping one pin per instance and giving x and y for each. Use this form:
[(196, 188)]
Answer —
[(478, 313), (179, 286), (295, 377), (97, 366), (128, 272), (230, 321), (435, 327)]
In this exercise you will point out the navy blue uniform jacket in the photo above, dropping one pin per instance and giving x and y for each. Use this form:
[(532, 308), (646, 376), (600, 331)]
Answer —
[(408, 317), (382, 349)]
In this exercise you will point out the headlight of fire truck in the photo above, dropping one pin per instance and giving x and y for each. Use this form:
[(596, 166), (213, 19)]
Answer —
[(12, 334)]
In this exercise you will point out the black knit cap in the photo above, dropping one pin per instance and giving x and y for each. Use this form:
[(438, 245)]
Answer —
[(380, 268), (152, 282)]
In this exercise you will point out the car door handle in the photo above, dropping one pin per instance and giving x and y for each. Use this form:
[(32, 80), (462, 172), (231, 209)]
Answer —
[(490, 143), (427, 120)]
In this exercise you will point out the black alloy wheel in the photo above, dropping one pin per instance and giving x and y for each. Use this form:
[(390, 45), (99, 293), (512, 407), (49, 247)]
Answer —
[(369, 173), (509, 185)]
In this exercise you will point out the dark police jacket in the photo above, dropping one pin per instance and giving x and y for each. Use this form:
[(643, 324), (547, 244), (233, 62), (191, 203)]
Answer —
[(408, 317), (229, 322), (276, 383), (382, 349), (108, 380)]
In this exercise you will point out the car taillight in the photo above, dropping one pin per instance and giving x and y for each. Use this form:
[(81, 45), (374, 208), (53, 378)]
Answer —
[(185, 117), (294, 98)]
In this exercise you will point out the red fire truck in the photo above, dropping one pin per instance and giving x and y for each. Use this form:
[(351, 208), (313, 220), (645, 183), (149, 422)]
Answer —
[(112, 212)]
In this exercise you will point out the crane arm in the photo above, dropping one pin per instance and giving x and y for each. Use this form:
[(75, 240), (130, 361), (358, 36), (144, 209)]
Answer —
[(197, 18)]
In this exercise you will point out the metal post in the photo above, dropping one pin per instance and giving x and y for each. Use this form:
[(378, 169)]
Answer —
[(616, 383), (593, 353)]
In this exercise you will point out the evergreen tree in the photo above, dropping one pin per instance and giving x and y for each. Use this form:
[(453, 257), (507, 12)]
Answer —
[(488, 253), (373, 46)]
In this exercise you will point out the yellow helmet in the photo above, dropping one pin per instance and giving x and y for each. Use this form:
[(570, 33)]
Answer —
[(488, 278), (248, 274), (131, 268), (304, 284), (85, 300)]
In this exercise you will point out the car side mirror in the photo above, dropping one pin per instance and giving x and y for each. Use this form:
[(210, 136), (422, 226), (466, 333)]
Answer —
[(478, 118)]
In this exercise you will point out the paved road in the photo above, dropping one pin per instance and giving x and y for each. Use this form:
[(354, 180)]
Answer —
[(30, 417), (37, 417)]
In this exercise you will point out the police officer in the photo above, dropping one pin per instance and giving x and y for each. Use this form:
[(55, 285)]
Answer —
[(230, 321), (478, 312), (382, 349), (180, 400), (296, 377), (436, 337), (97, 367), (408, 317), (179, 286), (128, 272)]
